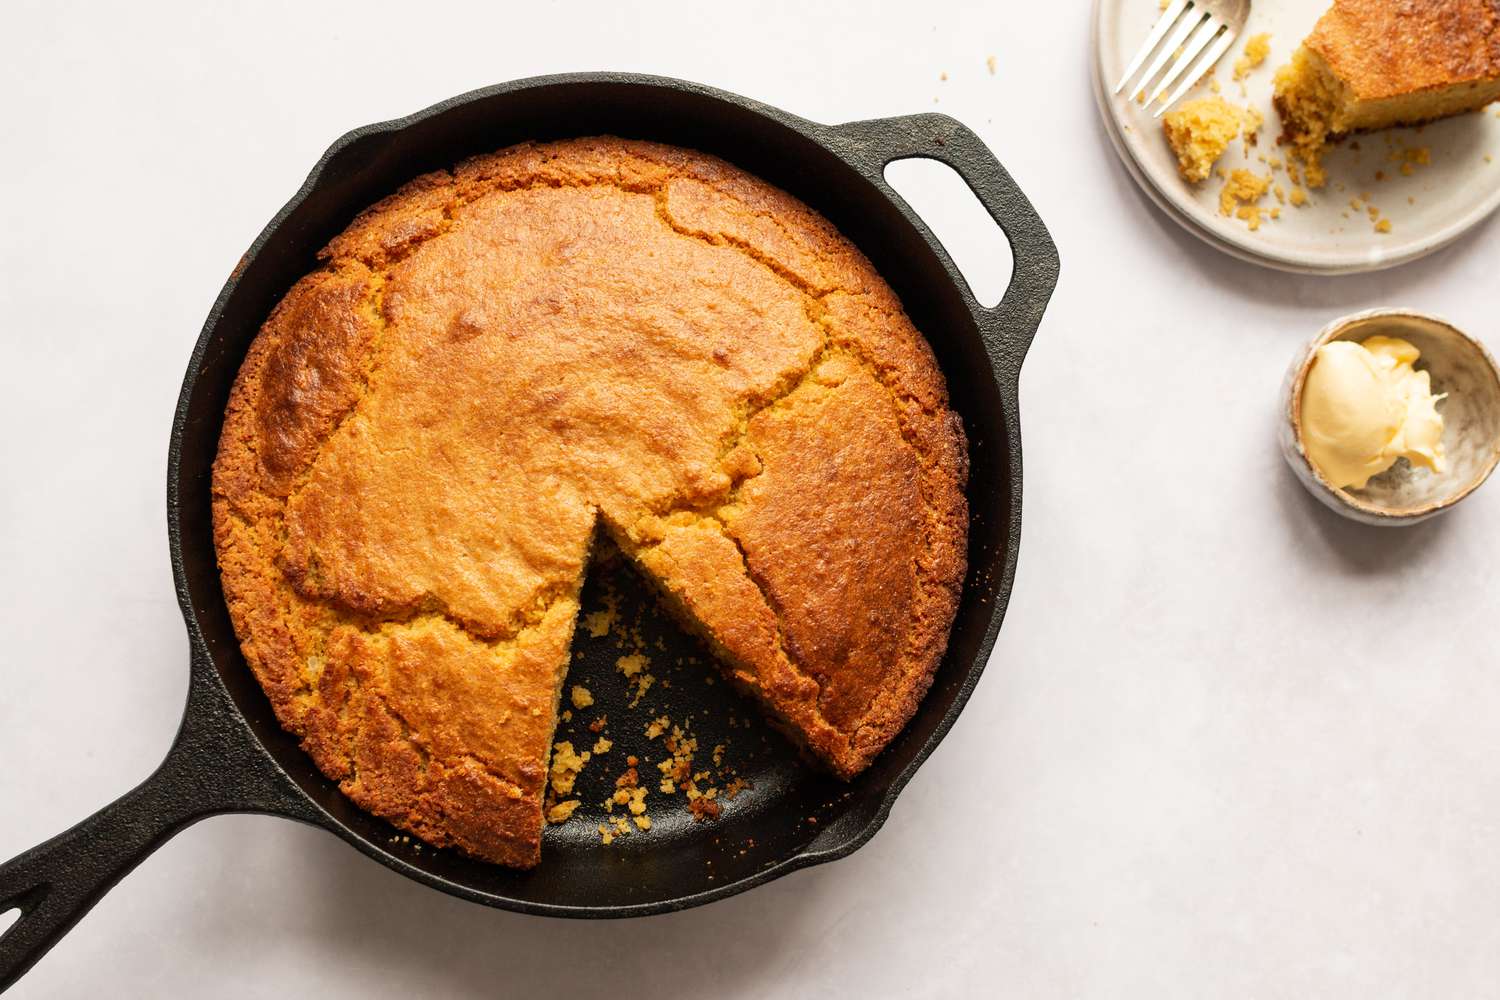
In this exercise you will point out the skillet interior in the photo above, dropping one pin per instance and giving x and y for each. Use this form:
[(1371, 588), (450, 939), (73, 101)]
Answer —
[(793, 815)]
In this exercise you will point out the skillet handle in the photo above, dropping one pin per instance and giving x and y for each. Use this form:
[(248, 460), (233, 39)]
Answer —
[(1007, 328), (211, 768)]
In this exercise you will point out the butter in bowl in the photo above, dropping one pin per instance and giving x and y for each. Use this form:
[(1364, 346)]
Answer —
[(1391, 416)]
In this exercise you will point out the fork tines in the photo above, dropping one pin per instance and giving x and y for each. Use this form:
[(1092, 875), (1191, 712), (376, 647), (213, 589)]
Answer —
[(1185, 29)]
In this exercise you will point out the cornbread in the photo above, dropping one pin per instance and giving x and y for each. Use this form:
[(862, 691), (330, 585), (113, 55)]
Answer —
[(1257, 48), (1241, 194), (499, 361), (1372, 64), (1199, 131)]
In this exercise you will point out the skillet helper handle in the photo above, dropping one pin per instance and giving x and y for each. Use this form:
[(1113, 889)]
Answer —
[(207, 771), (1007, 328)]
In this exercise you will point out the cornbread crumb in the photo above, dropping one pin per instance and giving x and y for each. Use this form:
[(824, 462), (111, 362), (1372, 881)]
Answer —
[(1199, 131), (580, 696), (1253, 121), (562, 811), (989, 64), (602, 746), (615, 826), (656, 727), (704, 808), (1410, 158), (1419, 155), (1240, 194), (632, 664), (643, 822), (1255, 52), (1383, 226), (565, 766), (1298, 197), (642, 685), (599, 623)]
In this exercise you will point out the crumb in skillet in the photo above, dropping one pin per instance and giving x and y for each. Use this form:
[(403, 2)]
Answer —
[(704, 808), (561, 812), (565, 766)]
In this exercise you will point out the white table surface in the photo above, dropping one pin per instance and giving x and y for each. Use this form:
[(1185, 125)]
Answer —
[(1229, 744)]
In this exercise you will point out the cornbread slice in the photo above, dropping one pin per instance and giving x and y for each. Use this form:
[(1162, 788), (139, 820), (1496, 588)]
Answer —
[(1373, 64), (1199, 131), (498, 362)]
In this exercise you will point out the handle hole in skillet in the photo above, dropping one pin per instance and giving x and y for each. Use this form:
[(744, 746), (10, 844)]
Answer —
[(952, 211), (8, 920)]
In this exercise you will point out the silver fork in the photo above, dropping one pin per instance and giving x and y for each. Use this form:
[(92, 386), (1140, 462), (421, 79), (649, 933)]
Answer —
[(1213, 26)]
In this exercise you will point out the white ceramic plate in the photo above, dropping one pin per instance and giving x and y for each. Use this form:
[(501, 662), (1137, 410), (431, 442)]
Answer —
[(1427, 210)]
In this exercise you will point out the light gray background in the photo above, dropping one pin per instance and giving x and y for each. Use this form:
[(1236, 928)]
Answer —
[(1228, 746)]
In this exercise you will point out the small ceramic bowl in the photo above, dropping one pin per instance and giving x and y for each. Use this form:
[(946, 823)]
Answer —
[(1457, 365)]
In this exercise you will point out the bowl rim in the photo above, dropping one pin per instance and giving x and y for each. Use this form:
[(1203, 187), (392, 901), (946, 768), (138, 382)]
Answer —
[(1344, 498)]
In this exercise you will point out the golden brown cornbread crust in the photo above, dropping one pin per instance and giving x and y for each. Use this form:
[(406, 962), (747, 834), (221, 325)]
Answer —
[(1374, 64), (497, 359), (1387, 48)]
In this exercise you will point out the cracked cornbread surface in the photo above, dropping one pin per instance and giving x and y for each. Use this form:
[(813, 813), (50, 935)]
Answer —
[(502, 359)]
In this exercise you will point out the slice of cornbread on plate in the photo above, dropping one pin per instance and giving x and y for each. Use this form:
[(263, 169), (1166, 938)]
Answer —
[(1373, 64)]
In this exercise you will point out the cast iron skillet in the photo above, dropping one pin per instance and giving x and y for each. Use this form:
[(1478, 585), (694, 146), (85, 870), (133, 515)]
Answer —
[(230, 754)]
